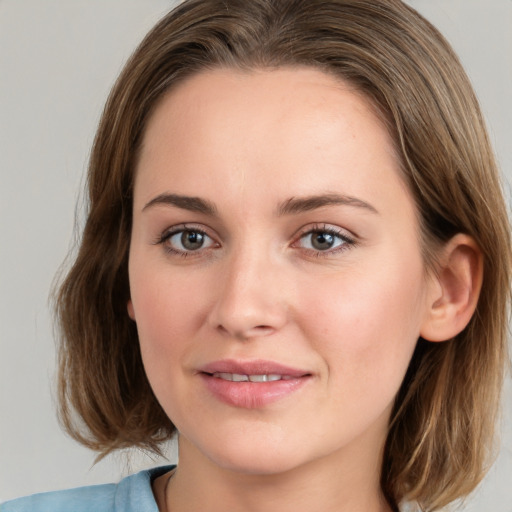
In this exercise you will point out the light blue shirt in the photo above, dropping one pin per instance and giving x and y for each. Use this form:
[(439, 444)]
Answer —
[(132, 494)]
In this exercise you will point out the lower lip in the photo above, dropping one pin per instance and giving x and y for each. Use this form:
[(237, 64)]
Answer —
[(252, 395)]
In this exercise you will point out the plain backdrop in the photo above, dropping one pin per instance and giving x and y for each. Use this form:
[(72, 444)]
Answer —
[(58, 60)]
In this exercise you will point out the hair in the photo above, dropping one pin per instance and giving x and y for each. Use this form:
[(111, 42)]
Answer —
[(440, 433)]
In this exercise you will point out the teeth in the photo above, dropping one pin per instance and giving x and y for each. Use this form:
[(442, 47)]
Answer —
[(259, 378), (236, 377), (264, 378)]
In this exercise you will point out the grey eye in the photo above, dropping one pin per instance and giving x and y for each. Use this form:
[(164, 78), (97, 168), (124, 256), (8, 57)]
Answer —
[(192, 240), (321, 240), (188, 240)]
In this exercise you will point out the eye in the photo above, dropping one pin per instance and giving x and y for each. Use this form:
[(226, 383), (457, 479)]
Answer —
[(189, 240), (324, 240), (184, 241)]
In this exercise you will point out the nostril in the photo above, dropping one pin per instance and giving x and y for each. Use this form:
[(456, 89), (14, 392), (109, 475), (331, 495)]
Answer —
[(261, 330), (245, 334)]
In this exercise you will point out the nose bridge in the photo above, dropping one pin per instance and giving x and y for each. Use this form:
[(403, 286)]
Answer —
[(251, 300)]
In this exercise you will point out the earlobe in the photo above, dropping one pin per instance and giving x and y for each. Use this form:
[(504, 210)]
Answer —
[(131, 311), (454, 290)]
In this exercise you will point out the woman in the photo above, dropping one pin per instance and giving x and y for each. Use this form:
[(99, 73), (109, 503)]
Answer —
[(289, 259)]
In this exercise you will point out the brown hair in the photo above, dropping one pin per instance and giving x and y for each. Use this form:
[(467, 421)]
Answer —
[(444, 416)]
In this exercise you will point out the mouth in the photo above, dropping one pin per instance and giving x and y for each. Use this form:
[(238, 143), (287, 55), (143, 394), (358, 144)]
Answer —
[(239, 377), (260, 370), (252, 384)]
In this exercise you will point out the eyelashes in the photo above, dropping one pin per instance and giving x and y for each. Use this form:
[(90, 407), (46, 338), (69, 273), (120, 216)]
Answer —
[(187, 241), (324, 241)]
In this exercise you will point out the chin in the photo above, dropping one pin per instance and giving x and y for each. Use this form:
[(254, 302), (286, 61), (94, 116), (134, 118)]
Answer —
[(261, 464), (258, 456)]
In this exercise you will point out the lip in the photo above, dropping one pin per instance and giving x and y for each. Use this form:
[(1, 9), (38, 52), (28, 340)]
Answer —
[(252, 395)]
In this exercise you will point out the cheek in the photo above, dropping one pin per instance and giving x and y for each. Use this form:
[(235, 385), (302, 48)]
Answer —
[(366, 325), (167, 310)]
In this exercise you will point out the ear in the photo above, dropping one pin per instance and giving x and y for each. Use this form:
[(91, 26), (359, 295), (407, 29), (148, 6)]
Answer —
[(131, 311), (454, 290)]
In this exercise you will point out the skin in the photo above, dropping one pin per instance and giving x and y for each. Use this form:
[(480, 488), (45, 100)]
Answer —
[(258, 289)]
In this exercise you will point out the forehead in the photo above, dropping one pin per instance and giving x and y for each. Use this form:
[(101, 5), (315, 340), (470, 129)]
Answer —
[(291, 93), (290, 131)]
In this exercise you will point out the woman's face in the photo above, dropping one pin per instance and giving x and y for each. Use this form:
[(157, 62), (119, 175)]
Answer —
[(275, 269)]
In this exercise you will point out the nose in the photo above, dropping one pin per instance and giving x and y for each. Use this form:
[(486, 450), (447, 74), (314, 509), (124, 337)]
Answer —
[(252, 298)]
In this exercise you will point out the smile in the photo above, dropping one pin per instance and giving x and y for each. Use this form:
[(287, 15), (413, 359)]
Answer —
[(237, 377), (252, 384)]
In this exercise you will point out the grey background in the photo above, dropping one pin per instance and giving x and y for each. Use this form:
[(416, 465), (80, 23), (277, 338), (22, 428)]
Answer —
[(58, 60)]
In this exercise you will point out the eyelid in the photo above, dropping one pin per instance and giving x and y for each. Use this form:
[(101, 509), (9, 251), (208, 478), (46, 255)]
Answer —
[(178, 228), (349, 239)]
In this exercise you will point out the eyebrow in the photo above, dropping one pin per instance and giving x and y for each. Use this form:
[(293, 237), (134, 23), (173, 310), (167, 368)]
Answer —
[(304, 204), (291, 206), (193, 204)]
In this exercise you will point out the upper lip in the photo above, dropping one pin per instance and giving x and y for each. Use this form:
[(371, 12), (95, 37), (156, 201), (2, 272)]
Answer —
[(254, 367)]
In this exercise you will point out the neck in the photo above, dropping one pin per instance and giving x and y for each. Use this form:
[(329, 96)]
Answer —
[(325, 484)]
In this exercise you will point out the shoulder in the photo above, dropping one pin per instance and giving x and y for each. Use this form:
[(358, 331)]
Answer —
[(98, 497), (132, 494)]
